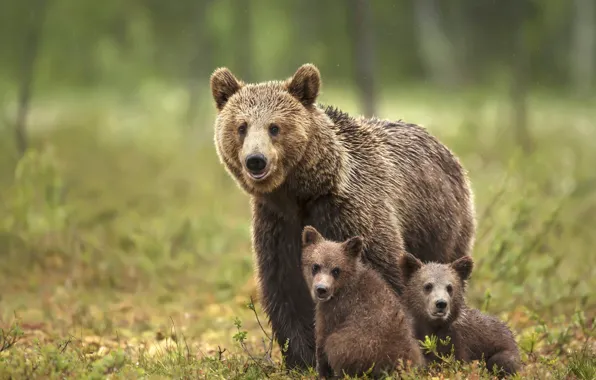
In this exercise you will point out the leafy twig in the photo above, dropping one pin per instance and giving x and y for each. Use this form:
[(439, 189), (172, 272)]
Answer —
[(251, 306), (268, 350), (240, 337), (8, 338)]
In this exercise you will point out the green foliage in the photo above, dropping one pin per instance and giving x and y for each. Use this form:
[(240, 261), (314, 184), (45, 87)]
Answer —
[(582, 364), (10, 337), (123, 44), (35, 201), (431, 345), (125, 246)]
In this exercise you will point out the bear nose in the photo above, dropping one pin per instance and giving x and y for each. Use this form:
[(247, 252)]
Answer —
[(321, 290), (256, 163), (441, 304)]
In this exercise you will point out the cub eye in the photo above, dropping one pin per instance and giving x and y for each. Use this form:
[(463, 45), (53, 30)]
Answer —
[(449, 289), (273, 129), (315, 268), (335, 272), (242, 129), (428, 287)]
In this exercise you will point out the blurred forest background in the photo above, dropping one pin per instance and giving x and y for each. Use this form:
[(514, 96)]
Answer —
[(121, 233)]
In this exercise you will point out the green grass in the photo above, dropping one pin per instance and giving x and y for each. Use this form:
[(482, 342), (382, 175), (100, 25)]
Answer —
[(125, 246)]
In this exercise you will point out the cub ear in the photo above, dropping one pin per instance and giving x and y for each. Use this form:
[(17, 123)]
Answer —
[(223, 85), (310, 236), (305, 83), (409, 264), (463, 267), (354, 246)]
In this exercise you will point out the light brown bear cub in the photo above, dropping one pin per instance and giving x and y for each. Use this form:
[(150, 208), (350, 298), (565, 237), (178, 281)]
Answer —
[(359, 323), (435, 298)]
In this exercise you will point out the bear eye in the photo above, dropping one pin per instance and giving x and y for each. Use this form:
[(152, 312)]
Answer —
[(449, 289), (428, 287), (335, 272), (315, 268), (242, 129), (273, 129)]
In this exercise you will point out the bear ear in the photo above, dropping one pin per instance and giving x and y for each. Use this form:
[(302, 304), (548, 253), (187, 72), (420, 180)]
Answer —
[(463, 267), (310, 236), (354, 246), (223, 85), (305, 83), (409, 264)]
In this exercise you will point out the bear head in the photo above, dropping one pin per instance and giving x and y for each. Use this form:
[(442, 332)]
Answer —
[(329, 267), (262, 130), (435, 292)]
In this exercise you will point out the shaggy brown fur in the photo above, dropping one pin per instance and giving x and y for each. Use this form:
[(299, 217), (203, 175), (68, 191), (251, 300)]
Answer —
[(390, 182), (359, 322), (435, 298)]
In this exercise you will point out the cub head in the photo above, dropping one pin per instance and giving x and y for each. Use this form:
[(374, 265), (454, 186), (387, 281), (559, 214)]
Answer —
[(262, 130), (435, 292), (328, 266)]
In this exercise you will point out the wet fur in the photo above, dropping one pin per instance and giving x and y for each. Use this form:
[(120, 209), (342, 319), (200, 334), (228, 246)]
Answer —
[(474, 335), (363, 325), (390, 182)]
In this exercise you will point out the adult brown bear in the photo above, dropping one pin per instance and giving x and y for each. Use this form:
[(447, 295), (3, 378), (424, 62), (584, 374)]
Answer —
[(303, 164)]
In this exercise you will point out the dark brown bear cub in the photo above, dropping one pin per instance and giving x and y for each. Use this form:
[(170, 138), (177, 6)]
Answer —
[(359, 323), (434, 297)]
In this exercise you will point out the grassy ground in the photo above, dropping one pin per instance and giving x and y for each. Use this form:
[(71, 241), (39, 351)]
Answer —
[(125, 246)]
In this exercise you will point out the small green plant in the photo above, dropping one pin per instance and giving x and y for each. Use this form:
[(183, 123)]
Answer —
[(265, 362), (8, 338), (240, 335), (430, 345), (36, 199), (487, 298), (582, 364), (529, 341)]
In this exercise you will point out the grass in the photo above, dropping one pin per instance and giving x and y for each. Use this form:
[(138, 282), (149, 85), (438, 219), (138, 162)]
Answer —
[(125, 246)]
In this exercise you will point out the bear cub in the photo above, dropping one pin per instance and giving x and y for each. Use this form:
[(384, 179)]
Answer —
[(434, 296), (359, 322)]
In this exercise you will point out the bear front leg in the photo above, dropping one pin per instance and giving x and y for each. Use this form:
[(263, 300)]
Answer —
[(285, 296), (324, 370), (504, 363)]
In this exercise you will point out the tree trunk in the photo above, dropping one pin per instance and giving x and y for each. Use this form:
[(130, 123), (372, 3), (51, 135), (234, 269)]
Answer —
[(364, 53), (199, 62), (519, 87), (29, 58), (583, 54), (243, 46), (461, 37), (436, 50)]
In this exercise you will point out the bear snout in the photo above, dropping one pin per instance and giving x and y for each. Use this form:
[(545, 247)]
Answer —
[(321, 290), (439, 308), (256, 164)]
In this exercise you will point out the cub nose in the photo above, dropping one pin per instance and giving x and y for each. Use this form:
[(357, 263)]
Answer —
[(441, 304), (256, 163), (321, 290)]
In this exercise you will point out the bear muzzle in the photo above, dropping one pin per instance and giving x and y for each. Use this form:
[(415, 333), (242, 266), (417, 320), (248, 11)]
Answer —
[(440, 309), (257, 166)]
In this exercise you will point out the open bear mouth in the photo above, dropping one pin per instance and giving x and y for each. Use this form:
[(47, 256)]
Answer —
[(323, 298), (439, 314), (259, 175)]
